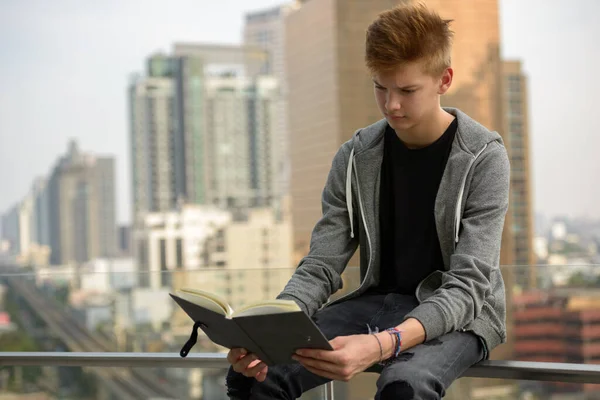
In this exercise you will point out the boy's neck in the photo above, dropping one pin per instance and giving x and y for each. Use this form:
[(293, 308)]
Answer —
[(427, 133)]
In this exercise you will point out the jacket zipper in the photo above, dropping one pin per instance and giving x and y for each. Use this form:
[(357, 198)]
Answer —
[(362, 213)]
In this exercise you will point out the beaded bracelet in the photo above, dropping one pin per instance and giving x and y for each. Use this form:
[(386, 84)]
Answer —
[(394, 333), (398, 334), (390, 360)]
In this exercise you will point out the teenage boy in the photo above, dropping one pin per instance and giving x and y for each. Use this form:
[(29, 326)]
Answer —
[(424, 193)]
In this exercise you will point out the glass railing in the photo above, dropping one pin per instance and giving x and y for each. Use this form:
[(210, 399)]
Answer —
[(118, 310), (553, 315)]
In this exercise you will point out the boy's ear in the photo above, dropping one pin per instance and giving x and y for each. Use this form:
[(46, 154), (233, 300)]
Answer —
[(446, 80)]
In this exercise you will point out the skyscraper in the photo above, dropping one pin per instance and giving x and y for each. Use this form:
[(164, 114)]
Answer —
[(10, 230), (27, 223), (203, 129), (333, 97), (26, 227), (166, 134), (521, 205), (81, 207), (40, 197), (266, 29), (243, 151), (153, 152)]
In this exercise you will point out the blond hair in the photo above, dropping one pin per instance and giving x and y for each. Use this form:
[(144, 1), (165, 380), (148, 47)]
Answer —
[(409, 33)]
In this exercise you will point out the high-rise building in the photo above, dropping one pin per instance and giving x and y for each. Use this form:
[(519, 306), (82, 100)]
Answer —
[(152, 144), (203, 130), (27, 223), (81, 207), (25, 226), (40, 198), (166, 134), (333, 97), (266, 29), (10, 230), (521, 204), (243, 153)]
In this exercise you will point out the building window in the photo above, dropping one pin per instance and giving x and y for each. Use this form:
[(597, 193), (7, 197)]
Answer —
[(144, 277), (514, 83), (205, 256), (165, 276), (516, 127), (179, 252)]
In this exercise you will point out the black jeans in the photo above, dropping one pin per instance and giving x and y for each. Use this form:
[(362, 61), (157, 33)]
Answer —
[(422, 372)]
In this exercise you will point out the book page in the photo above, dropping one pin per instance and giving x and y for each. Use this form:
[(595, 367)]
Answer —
[(267, 307), (207, 300)]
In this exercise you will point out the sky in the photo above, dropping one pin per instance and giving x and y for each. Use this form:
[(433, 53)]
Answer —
[(65, 66)]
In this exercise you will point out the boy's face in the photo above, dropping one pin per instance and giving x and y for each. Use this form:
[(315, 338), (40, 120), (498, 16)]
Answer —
[(407, 95)]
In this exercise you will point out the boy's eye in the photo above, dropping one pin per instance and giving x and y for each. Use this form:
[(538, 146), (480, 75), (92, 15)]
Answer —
[(408, 91)]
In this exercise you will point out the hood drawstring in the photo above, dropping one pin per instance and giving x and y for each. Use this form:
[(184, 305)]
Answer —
[(461, 194), (349, 192)]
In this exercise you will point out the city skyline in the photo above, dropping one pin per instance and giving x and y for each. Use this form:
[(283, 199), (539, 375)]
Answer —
[(53, 90), (173, 119)]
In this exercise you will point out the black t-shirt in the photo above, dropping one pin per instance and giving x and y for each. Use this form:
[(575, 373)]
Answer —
[(410, 179)]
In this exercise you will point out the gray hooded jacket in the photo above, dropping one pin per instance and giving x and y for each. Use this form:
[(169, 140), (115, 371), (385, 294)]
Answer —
[(470, 208)]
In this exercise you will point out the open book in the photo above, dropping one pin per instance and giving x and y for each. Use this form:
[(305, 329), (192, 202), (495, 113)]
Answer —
[(272, 329)]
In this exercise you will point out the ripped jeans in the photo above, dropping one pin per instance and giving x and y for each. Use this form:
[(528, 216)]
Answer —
[(422, 372)]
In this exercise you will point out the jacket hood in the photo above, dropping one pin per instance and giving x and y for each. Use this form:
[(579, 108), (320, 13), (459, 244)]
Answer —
[(471, 134)]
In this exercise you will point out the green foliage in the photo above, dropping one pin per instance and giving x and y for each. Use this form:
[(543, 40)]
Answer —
[(17, 341)]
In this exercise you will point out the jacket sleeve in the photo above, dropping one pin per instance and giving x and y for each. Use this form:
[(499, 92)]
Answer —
[(318, 275), (466, 285)]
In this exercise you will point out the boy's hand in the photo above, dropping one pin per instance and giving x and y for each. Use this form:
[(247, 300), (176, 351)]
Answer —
[(247, 364), (351, 355)]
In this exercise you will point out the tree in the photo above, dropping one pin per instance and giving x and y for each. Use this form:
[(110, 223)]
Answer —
[(17, 341)]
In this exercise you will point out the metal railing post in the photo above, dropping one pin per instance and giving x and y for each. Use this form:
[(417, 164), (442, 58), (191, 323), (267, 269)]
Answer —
[(329, 392)]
